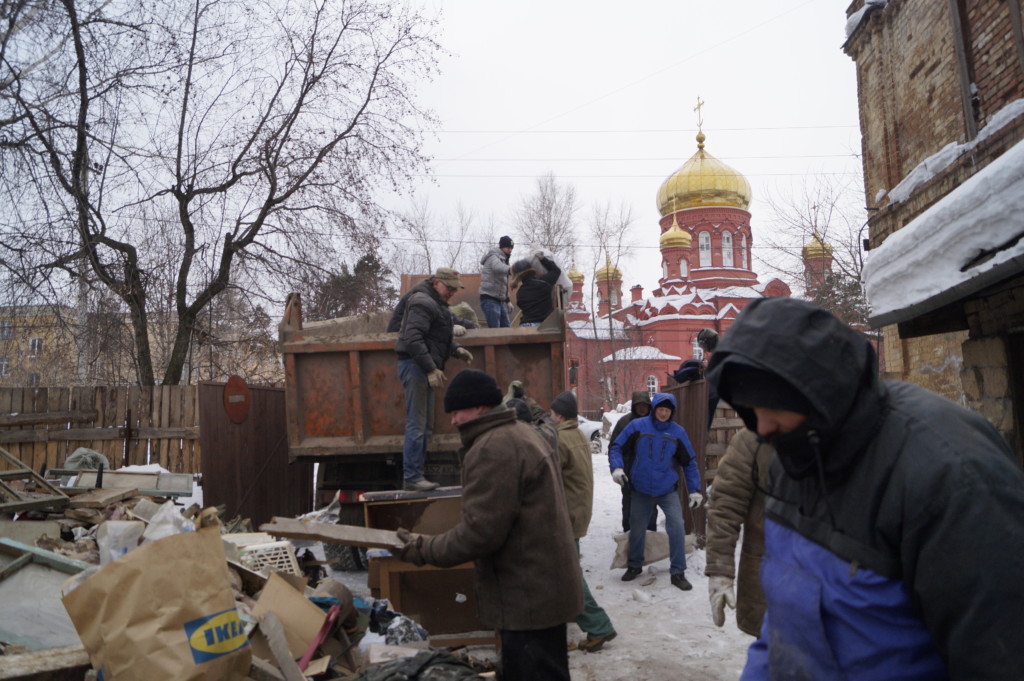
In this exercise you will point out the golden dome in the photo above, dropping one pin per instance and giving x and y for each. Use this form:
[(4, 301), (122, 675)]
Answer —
[(675, 237), (575, 276), (703, 181), (608, 273), (817, 248)]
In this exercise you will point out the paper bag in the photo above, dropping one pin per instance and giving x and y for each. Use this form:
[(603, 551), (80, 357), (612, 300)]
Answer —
[(163, 611), (655, 549)]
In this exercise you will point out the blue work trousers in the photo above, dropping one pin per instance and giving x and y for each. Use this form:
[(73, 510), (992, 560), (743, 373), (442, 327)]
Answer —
[(495, 312), (419, 416), (641, 506)]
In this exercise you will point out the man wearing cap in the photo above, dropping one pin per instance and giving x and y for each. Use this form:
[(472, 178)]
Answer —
[(516, 528), (578, 481), (657, 444), (494, 283), (426, 340), (894, 520)]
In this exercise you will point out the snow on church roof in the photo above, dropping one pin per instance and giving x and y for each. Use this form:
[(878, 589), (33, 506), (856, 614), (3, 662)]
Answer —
[(640, 352), (970, 239)]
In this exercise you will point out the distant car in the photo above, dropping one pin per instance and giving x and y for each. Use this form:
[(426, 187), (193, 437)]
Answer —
[(592, 429)]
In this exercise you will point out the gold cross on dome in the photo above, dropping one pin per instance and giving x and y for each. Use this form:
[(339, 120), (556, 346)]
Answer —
[(700, 116)]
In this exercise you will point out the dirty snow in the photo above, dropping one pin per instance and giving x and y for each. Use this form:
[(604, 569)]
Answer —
[(663, 633)]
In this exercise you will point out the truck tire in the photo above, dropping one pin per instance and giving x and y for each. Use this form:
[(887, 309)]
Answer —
[(346, 558)]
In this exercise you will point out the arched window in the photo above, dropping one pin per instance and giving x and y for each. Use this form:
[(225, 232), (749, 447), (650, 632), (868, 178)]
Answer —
[(726, 249), (664, 269), (682, 267), (704, 245), (652, 384), (744, 256)]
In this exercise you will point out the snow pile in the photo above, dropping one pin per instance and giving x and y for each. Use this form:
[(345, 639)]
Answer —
[(853, 23)]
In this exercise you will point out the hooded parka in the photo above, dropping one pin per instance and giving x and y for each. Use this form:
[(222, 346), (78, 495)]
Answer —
[(894, 531), (424, 325)]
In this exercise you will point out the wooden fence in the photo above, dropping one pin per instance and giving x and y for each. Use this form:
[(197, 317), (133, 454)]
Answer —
[(127, 424)]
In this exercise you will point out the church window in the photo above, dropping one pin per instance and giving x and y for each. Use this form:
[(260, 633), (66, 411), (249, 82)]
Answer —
[(652, 384), (744, 256), (664, 269), (726, 249), (682, 267), (704, 246)]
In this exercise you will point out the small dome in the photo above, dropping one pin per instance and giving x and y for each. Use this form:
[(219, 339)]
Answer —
[(675, 237), (608, 272), (575, 276), (703, 181), (817, 248)]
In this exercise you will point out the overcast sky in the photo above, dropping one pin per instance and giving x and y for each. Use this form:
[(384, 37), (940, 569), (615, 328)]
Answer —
[(602, 95)]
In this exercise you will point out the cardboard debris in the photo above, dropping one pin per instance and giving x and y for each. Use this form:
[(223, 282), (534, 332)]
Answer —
[(351, 535)]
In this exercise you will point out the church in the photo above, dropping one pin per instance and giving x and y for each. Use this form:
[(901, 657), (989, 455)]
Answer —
[(706, 280)]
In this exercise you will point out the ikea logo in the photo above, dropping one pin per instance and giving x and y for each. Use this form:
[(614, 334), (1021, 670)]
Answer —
[(215, 635)]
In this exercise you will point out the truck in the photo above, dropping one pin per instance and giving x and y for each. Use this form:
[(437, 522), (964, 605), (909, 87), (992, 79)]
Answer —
[(345, 406)]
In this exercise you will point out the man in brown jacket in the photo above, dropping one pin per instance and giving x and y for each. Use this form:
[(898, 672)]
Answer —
[(578, 480), (737, 499), (515, 526)]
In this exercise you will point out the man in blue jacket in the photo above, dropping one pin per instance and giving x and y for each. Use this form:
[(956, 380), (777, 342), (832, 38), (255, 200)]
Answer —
[(894, 520), (649, 449)]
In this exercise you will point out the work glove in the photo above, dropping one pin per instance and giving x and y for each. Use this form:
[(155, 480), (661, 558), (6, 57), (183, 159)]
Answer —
[(619, 476), (721, 593), (436, 379), (464, 354), (459, 330), (411, 543), (696, 499)]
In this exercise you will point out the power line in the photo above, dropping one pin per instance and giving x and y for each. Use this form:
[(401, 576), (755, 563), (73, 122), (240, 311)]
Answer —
[(528, 131), (480, 176), (666, 159)]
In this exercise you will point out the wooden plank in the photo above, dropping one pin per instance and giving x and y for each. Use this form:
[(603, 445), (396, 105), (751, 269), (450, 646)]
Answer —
[(52, 664), (101, 498), (39, 398), (17, 395), (190, 419), (166, 395), (56, 449), (154, 420), (136, 448), (5, 408), (176, 456), (350, 535), (121, 410)]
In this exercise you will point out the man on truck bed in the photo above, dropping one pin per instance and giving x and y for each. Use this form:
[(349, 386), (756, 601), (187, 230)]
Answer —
[(425, 342)]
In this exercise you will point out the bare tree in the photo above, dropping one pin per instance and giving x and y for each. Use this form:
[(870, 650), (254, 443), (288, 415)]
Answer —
[(823, 215), (547, 218), (428, 241), (208, 142)]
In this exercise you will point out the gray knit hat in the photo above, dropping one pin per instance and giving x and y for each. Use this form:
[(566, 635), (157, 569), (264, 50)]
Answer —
[(565, 405)]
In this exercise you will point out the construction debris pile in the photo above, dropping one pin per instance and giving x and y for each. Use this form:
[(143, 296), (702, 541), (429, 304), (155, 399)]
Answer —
[(130, 584)]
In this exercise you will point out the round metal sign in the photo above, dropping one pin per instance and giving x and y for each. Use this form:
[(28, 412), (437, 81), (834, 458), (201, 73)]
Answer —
[(236, 399)]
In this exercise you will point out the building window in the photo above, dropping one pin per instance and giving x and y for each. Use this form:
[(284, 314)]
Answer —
[(33, 380), (743, 253), (664, 269), (35, 346), (574, 372), (5, 366), (704, 245), (6, 329), (682, 268), (726, 249), (652, 384)]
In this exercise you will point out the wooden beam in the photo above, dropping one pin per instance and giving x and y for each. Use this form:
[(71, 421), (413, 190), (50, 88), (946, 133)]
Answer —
[(101, 498), (41, 418), (52, 664), (350, 535)]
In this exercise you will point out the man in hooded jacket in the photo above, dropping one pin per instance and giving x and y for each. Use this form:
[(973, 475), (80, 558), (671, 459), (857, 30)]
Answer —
[(894, 524), (658, 444), (494, 269), (640, 406)]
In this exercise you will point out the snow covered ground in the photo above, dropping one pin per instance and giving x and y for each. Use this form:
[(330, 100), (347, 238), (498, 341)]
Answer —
[(663, 633)]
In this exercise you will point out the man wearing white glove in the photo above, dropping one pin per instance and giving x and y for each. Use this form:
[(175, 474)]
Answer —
[(738, 503), (695, 500), (643, 457), (426, 331)]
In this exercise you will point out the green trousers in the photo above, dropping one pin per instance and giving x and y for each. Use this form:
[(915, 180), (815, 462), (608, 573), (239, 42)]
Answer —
[(593, 620)]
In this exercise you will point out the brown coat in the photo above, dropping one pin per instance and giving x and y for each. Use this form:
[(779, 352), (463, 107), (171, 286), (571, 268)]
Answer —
[(514, 526), (577, 475), (736, 501)]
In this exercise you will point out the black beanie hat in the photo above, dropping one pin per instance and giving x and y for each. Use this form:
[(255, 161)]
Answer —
[(505, 242), (522, 409), (746, 386), (565, 405), (471, 388)]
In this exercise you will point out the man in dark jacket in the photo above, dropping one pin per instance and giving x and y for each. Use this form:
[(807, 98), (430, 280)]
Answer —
[(658, 444), (515, 526), (494, 271), (425, 342), (894, 521), (638, 408), (534, 293)]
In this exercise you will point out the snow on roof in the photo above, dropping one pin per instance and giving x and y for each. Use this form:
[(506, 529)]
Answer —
[(585, 328), (944, 157), (970, 239), (640, 352), (853, 23)]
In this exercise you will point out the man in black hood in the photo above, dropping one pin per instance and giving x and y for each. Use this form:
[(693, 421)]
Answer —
[(640, 406), (894, 525)]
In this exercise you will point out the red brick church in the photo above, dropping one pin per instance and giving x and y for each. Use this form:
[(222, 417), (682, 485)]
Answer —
[(706, 279)]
